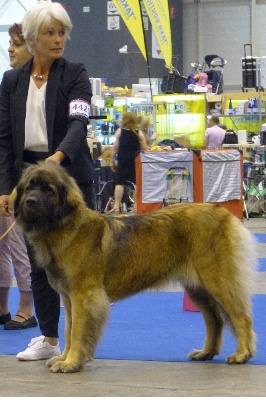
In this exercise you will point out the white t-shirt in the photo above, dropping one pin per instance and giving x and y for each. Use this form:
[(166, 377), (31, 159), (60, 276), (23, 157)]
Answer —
[(35, 124)]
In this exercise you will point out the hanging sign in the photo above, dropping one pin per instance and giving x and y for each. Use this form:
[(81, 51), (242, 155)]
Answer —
[(113, 23), (111, 8), (131, 15), (158, 12), (155, 47)]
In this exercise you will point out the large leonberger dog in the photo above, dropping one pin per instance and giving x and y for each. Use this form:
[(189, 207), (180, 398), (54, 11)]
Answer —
[(94, 259)]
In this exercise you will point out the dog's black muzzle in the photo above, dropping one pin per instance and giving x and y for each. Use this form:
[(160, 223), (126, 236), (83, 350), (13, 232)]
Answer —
[(32, 201)]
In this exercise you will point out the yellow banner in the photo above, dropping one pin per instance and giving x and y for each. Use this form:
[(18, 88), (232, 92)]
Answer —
[(131, 14), (158, 12)]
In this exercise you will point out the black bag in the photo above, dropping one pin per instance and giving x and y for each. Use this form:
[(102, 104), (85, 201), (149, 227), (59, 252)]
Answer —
[(173, 83), (263, 138), (249, 71), (170, 142), (230, 137)]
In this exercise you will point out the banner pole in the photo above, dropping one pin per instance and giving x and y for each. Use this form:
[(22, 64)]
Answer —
[(147, 55)]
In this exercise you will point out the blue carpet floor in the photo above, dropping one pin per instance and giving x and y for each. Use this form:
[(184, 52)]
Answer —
[(260, 237), (148, 326), (261, 264)]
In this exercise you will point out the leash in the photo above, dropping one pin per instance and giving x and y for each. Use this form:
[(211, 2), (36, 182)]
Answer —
[(8, 230)]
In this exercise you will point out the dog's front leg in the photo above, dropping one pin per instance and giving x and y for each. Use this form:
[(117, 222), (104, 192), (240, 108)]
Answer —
[(89, 311), (68, 324)]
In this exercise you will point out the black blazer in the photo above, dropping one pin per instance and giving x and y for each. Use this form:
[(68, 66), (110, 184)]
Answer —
[(66, 81)]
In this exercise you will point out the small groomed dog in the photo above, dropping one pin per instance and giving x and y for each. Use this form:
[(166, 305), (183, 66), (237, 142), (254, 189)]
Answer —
[(94, 259)]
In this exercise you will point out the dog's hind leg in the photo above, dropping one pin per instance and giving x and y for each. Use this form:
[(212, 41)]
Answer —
[(213, 321), (236, 301), (231, 300), (246, 339), (237, 307), (89, 311)]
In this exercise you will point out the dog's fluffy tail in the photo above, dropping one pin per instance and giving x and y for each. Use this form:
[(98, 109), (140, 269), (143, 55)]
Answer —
[(245, 257)]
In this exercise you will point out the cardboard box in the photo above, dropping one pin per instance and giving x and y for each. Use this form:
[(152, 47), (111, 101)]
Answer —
[(183, 140)]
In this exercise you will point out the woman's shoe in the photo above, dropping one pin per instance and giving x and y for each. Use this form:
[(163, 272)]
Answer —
[(16, 325), (114, 211)]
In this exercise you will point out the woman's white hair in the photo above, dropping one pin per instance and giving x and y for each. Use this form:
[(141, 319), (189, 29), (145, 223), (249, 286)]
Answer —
[(42, 14)]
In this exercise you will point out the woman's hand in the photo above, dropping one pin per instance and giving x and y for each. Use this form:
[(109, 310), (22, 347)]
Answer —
[(58, 157), (6, 209)]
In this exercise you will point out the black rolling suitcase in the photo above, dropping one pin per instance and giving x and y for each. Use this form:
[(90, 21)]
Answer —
[(248, 69), (173, 83)]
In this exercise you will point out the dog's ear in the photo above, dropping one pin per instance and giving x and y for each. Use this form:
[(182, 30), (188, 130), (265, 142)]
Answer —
[(75, 198), (65, 206), (74, 194)]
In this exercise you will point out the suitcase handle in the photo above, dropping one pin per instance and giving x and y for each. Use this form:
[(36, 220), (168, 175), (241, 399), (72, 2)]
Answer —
[(246, 46)]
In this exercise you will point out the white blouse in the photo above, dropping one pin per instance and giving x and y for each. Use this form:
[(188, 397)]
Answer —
[(35, 124)]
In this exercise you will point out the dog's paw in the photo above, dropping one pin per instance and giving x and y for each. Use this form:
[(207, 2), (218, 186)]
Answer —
[(66, 367), (238, 358), (53, 360), (201, 355)]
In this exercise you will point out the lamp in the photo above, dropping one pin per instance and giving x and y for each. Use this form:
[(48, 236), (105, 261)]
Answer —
[(123, 49)]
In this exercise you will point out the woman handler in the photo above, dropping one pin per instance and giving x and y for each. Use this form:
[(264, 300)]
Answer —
[(44, 110)]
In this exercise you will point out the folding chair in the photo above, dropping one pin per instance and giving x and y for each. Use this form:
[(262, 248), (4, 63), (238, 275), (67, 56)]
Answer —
[(255, 196), (245, 198), (215, 72), (104, 196), (105, 188)]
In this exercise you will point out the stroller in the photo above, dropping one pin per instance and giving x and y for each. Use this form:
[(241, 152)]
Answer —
[(197, 81), (215, 72)]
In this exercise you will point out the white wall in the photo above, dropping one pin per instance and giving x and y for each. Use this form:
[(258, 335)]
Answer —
[(222, 27)]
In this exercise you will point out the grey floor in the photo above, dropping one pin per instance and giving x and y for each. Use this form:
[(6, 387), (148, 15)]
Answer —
[(111, 378)]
